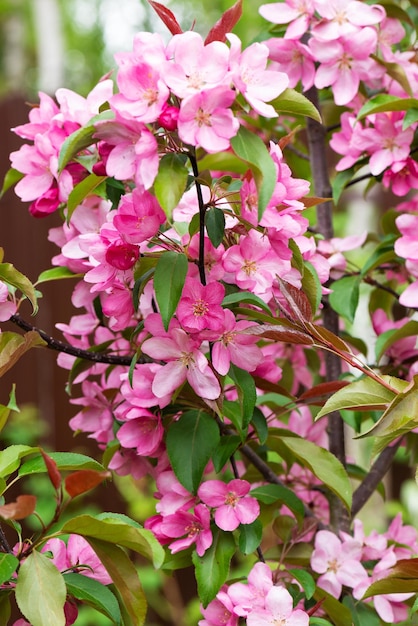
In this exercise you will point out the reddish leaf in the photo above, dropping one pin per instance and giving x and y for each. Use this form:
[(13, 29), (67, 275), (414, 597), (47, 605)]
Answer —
[(53, 472), (299, 306), (225, 24), (84, 480), (167, 17), (23, 507), (405, 568), (323, 389), (287, 335), (327, 338)]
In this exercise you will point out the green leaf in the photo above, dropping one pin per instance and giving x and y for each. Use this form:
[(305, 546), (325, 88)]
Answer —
[(5, 608), (190, 443), (11, 177), (260, 424), (385, 102), (126, 583), (83, 189), (72, 461), (293, 102), (251, 149), (384, 253), (247, 394), (250, 536), (271, 494), (213, 567), (55, 273), (81, 139), (340, 182), (13, 277), (410, 118), (306, 581), (222, 161), (170, 182), (41, 591), (395, 71), (116, 531), (14, 346), (8, 565), (388, 338), (324, 465), (400, 417), (11, 456), (169, 277), (339, 614), (311, 286), (364, 393), (215, 225), (224, 450), (245, 296), (93, 593), (344, 296)]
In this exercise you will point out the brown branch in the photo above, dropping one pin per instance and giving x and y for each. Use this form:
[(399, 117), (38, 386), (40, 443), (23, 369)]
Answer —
[(316, 134), (61, 346), (378, 470)]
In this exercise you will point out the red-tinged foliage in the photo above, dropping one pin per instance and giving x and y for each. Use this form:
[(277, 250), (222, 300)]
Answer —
[(83, 480), (225, 24), (278, 333), (167, 17), (21, 508), (53, 472), (323, 389)]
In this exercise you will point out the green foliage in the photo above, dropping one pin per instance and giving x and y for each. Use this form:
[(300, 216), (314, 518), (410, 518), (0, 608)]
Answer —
[(169, 278), (170, 183), (191, 441), (213, 567)]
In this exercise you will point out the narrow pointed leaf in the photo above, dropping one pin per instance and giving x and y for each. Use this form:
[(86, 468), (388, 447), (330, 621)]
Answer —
[(247, 394), (191, 442), (215, 225), (14, 346), (118, 532), (385, 102), (41, 591), (87, 186), (225, 24), (55, 273), (10, 275), (81, 139), (64, 461), (170, 183), (125, 579), (169, 278), (245, 296), (83, 480), (11, 178), (10, 458), (251, 149), (212, 568), (93, 593), (167, 17), (295, 103), (324, 465)]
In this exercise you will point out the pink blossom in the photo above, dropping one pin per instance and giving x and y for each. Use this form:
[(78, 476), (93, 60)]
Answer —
[(138, 216), (250, 76), (206, 120), (77, 555), (7, 306), (233, 505), (195, 66), (298, 12), (96, 416), (184, 362), (249, 597), (233, 346), (219, 612), (337, 562), (127, 463), (343, 18), (294, 58), (344, 62), (200, 306), (402, 349), (140, 392), (401, 176), (172, 495), (195, 526), (278, 610), (386, 142), (142, 430), (118, 307)]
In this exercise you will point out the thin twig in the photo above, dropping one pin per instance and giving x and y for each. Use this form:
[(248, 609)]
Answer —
[(61, 346), (202, 213)]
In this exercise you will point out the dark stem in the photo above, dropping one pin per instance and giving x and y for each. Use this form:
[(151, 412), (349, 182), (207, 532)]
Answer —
[(4, 544), (202, 213), (316, 134), (61, 346), (374, 477)]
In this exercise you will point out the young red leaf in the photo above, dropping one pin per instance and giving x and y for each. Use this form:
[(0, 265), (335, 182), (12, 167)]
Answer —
[(84, 480), (298, 303), (167, 17), (53, 472), (278, 333), (225, 24), (23, 507), (323, 389)]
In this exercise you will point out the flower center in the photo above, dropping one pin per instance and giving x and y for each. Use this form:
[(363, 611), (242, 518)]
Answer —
[(200, 308), (150, 95), (228, 338), (187, 358), (203, 118), (249, 267), (333, 565), (193, 529), (231, 499)]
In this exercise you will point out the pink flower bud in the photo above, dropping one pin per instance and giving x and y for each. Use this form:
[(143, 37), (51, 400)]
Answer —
[(168, 117), (122, 255)]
